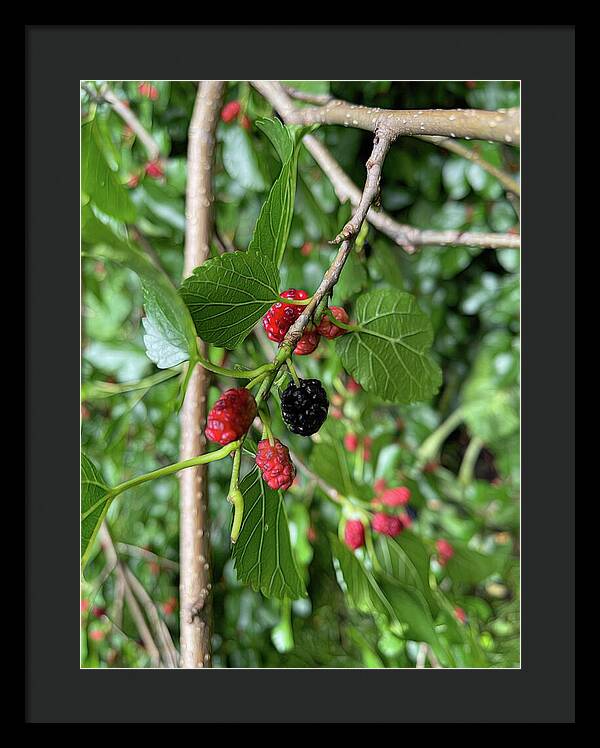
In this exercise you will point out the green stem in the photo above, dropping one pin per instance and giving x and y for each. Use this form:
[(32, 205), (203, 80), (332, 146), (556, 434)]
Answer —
[(431, 446), (296, 302), (234, 373), (342, 325), (293, 373), (218, 454), (467, 466), (235, 496), (93, 390)]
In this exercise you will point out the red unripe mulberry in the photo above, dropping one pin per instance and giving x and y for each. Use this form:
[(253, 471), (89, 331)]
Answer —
[(231, 416), (281, 316), (354, 534), (445, 551), (380, 486), (307, 343), (274, 461), (329, 329), (395, 496), (230, 111), (148, 90), (385, 524)]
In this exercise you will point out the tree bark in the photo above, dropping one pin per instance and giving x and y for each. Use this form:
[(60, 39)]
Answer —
[(194, 536)]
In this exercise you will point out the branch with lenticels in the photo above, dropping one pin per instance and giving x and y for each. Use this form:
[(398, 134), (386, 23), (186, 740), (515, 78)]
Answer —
[(405, 236)]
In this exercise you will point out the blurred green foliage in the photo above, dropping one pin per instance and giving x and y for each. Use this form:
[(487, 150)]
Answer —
[(472, 299)]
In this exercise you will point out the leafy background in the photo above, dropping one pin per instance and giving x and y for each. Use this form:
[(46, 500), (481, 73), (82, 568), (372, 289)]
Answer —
[(130, 425)]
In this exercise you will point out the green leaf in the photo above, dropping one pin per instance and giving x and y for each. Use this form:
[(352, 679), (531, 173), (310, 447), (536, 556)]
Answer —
[(263, 555), (240, 159), (406, 559), (400, 603), (170, 336), (273, 225), (95, 500), (228, 294), (389, 354), (98, 181), (471, 567)]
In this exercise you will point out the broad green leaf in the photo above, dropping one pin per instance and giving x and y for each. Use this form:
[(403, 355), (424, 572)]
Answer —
[(229, 294), (170, 336), (98, 181), (263, 555), (240, 159), (95, 500), (273, 225), (389, 354), (471, 567)]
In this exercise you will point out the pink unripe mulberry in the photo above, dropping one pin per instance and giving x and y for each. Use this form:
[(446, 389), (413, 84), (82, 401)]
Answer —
[(230, 111), (154, 169), (380, 486), (460, 614), (354, 534), (445, 551), (351, 442), (231, 416), (395, 496), (385, 524), (274, 461), (148, 90)]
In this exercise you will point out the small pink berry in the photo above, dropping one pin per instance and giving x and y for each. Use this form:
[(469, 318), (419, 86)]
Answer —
[(230, 111), (396, 496), (380, 486), (445, 551), (460, 614), (354, 534), (351, 442)]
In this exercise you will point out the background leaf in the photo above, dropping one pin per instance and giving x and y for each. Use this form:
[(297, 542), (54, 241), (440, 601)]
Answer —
[(229, 294), (263, 553), (389, 355), (273, 225), (94, 493), (170, 334), (98, 181)]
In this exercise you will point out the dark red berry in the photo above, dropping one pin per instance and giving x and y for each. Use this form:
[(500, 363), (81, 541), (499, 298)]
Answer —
[(328, 329), (354, 534), (230, 111), (154, 169), (385, 524), (395, 496), (307, 343), (98, 611), (445, 551), (231, 416), (274, 461), (281, 316)]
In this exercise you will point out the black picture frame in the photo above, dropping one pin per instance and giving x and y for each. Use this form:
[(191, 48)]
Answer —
[(57, 58)]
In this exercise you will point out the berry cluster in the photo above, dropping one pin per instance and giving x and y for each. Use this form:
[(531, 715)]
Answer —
[(281, 316), (383, 522)]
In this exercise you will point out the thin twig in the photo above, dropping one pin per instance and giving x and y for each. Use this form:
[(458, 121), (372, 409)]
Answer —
[(112, 557), (509, 184), (134, 550), (130, 119), (195, 571)]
